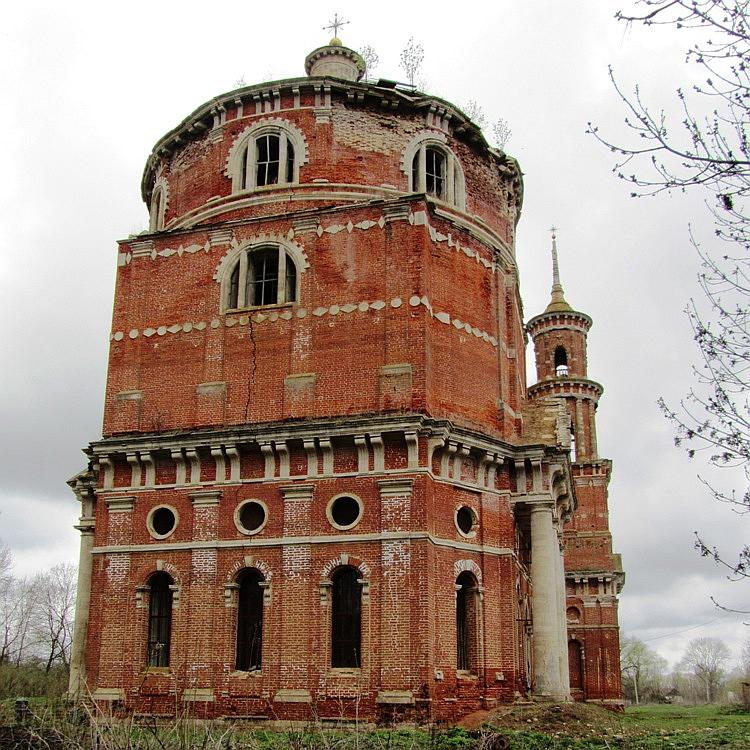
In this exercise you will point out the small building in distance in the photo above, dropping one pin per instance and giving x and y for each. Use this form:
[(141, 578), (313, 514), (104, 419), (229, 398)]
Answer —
[(323, 488)]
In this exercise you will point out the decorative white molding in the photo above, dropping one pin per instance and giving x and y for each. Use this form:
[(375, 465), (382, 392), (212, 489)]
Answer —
[(205, 498), (120, 503), (395, 487)]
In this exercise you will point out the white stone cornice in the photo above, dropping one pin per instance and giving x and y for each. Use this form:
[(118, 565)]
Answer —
[(205, 498), (396, 487)]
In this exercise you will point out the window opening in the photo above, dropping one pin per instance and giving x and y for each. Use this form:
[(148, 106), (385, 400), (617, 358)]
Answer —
[(267, 160), (575, 665), (262, 276), (250, 621), (435, 173), (573, 446), (243, 168), (346, 618), (465, 519), (159, 620), (561, 362), (466, 622), (252, 516), (289, 162), (263, 281), (163, 521), (345, 511), (234, 287)]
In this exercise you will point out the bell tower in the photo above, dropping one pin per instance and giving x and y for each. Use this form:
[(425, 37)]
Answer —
[(593, 573)]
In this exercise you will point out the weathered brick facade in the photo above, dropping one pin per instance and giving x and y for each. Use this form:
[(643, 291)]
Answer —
[(387, 368)]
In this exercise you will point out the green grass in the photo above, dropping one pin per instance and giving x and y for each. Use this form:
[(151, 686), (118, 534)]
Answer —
[(642, 728)]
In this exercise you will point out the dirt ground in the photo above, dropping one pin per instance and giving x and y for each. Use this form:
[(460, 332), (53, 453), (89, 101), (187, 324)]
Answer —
[(570, 719)]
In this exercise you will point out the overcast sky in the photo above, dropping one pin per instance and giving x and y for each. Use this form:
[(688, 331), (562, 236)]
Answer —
[(87, 89)]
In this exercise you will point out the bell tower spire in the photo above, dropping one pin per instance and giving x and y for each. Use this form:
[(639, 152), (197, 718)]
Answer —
[(557, 303)]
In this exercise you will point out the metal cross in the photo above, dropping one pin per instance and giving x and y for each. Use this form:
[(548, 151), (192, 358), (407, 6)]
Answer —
[(335, 25), (553, 229)]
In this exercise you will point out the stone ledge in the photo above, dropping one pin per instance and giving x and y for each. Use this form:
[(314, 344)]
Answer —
[(198, 695), (293, 696), (108, 694), (398, 697)]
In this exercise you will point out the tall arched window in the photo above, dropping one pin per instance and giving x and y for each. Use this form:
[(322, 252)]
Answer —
[(269, 152), (249, 621), (467, 622), (159, 620), (263, 275), (268, 160), (157, 210), (432, 168), (575, 665), (346, 618), (561, 362)]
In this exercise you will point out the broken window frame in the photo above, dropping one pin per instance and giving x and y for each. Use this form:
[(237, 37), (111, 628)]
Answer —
[(254, 280)]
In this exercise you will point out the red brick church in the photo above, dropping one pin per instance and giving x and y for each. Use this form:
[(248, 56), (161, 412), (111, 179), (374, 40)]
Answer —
[(324, 488)]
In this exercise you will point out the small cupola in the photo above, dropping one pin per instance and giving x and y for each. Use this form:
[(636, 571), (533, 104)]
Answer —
[(335, 60)]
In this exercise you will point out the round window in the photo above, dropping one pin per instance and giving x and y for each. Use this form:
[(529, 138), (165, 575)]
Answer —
[(344, 511), (465, 520), (250, 516), (162, 521)]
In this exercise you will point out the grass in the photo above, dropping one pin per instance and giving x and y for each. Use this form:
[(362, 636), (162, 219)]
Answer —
[(576, 727)]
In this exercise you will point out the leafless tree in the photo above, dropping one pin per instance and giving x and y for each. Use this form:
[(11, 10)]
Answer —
[(501, 132), (55, 600), (412, 57), (745, 658), (473, 110), (371, 58), (706, 659), (642, 669), (17, 614), (707, 149)]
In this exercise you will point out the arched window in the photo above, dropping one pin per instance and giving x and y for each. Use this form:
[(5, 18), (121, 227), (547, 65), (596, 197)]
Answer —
[(157, 210), (346, 618), (159, 620), (268, 159), (263, 275), (269, 152), (432, 168), (467, 622), (575, 665), (561, 362), (250, 620)]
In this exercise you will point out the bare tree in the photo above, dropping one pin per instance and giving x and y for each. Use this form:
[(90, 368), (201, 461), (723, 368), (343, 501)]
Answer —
[(371, 58), (642, 669), (474, 111), (6, 560), (707, 149), (412, 57), (17, 613), (706, 659), (745, 658), (53, 628), (501, 132)]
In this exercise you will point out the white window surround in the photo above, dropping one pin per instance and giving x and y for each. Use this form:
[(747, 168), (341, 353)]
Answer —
[(455, 185), (472, 532), (150, 521), (288, 252), (243, 149), (250, 532), (329, 511), (159, 203)]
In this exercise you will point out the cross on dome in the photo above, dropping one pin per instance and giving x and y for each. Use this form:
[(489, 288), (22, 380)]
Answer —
[(335, 25)]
